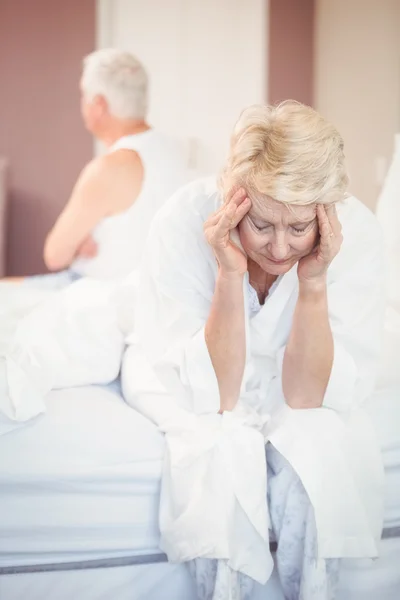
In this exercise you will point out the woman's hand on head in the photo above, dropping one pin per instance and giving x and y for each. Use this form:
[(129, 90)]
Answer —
[(312, 268), (231, 259)]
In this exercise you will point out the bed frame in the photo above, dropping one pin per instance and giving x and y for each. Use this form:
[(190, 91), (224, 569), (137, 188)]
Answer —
[(127, 561)]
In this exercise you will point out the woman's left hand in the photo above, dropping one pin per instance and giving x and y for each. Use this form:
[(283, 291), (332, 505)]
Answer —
[(312, 268)]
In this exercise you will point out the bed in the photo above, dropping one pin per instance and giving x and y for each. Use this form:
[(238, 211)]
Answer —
[(79, 504), (79, 493)]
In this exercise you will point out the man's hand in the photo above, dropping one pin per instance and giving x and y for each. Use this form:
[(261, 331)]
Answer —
[(88, 249)]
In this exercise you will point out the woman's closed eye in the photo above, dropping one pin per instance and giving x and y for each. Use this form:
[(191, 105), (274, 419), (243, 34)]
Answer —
[(301, 228), (260, 225)]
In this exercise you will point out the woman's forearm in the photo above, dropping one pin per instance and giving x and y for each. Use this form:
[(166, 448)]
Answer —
[(308, 358), (226, 338)]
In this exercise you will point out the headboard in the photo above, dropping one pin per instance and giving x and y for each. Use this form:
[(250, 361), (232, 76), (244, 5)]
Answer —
[(3, 216)]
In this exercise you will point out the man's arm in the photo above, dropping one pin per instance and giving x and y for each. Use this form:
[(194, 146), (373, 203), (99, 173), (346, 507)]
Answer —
[(107, 185)]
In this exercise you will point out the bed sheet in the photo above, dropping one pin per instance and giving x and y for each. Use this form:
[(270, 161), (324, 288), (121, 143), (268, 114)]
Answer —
[(15, 302), (82, 481)]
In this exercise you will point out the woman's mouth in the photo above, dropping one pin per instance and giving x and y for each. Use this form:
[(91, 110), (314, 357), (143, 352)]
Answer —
[(278, 262)]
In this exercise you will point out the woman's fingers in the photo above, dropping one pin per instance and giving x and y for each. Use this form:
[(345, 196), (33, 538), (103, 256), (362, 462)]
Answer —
[(334, 219), (228, 218), (241, 210), (325, 229), (228, 221), (330, 232), (325, 251), (235, 196), (213, 219), (224, 224), (330, 240)]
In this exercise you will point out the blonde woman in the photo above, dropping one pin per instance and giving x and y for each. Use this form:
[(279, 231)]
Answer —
[(260, 316)]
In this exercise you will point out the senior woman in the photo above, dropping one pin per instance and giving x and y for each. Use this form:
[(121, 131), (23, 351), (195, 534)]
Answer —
[(258, 325)]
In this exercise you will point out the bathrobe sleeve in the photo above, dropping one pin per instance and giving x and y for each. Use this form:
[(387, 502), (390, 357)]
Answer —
[(356, 305), (176, 288)]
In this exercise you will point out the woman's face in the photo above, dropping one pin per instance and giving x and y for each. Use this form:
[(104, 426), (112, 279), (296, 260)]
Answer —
[(276, 237)]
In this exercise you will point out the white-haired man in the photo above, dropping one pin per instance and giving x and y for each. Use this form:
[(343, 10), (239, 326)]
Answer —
[(102, 229)]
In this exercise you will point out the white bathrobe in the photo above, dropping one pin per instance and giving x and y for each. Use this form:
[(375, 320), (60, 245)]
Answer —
[(213, 494)]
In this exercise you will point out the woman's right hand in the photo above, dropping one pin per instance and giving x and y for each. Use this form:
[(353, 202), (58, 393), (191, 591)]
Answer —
[(231, 259)]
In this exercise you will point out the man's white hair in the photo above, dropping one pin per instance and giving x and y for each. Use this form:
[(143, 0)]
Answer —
[(120, 78)]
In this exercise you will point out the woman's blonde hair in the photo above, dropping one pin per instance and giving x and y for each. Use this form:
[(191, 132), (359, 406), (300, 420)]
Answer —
[(288, 152)]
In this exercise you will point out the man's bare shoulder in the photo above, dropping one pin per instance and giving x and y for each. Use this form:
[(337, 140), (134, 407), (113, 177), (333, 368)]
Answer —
[(108, 165), (112, 180)]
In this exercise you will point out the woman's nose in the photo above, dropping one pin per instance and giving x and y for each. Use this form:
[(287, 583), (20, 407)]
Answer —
[(278, 247)]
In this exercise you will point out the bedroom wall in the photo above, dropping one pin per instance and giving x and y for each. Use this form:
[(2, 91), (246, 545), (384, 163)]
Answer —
[(207, 60), (357, 83), (291, 50), (41, 47)]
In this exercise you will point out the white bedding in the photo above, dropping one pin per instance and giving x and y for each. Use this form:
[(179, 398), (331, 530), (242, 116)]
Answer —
[(15, 302), (82, 481), (69, 338)]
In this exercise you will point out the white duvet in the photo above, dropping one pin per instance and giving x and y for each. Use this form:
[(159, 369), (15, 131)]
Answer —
[(15, 303), (52, 340)]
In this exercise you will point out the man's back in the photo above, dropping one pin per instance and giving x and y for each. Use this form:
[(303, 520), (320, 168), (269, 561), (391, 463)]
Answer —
[(134, 197)]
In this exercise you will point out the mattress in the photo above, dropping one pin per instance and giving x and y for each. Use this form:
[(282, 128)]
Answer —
[(81, 483)]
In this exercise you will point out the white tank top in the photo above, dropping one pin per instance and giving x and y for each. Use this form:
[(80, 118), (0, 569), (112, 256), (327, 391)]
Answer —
[(121, 237)]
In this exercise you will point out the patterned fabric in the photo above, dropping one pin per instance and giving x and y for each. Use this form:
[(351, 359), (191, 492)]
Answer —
[(214, 580), (302, 575)]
